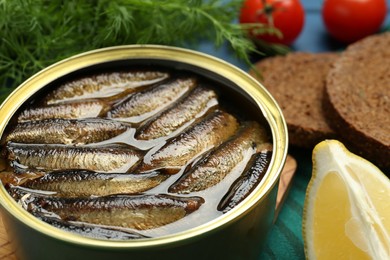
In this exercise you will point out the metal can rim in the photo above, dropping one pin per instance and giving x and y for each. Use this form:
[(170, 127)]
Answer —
[(257, 92)]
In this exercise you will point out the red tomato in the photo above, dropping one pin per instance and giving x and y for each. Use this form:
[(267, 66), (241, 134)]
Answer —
[(286, 15), (351, 20)]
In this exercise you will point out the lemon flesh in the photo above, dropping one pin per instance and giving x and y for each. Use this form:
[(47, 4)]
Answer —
[(347, 207)]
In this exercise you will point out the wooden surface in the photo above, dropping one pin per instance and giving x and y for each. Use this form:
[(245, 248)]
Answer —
[(285, 183), (7, 251)]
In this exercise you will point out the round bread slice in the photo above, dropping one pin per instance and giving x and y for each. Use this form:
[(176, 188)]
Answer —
[(357, 98), (297, 83)]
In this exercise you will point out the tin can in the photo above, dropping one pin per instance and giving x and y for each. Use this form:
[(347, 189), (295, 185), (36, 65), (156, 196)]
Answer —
[(238, 234)]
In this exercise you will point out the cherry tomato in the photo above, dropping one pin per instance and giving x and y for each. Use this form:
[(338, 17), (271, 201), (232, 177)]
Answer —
[(286, 15), (351, 20)]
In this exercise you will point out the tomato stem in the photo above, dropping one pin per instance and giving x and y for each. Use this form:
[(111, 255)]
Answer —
[(267, 10)]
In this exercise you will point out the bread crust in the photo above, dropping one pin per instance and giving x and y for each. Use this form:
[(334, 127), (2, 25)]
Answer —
[(297, 82), (357, 98)]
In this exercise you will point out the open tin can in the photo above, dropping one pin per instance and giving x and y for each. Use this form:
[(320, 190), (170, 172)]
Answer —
[(238, 234)]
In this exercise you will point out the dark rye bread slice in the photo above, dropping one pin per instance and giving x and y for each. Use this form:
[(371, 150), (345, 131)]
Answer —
[(357, 98), (297, 83)]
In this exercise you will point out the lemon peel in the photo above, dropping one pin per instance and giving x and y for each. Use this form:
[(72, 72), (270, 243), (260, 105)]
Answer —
[(347, 206)]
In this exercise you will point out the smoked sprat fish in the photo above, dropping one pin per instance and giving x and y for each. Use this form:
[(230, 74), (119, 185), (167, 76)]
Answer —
[(197, 103), (66, 131), (87, 183), (115, 158), (213, 130), (28, 200), (138, 212), (92, 231), (105, 85), (73, 110), (247, 182), (213, 168), (144, 104)]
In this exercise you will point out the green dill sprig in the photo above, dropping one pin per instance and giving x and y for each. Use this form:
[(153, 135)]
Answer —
[(37, 33)]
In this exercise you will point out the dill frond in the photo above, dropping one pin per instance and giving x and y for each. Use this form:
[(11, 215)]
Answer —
[(37, 33)]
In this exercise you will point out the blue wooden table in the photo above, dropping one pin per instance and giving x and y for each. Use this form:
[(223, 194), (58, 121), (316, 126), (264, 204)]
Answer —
[(285, 239)]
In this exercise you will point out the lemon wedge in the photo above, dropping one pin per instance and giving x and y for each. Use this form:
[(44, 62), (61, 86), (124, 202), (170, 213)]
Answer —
[(347, 207)]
